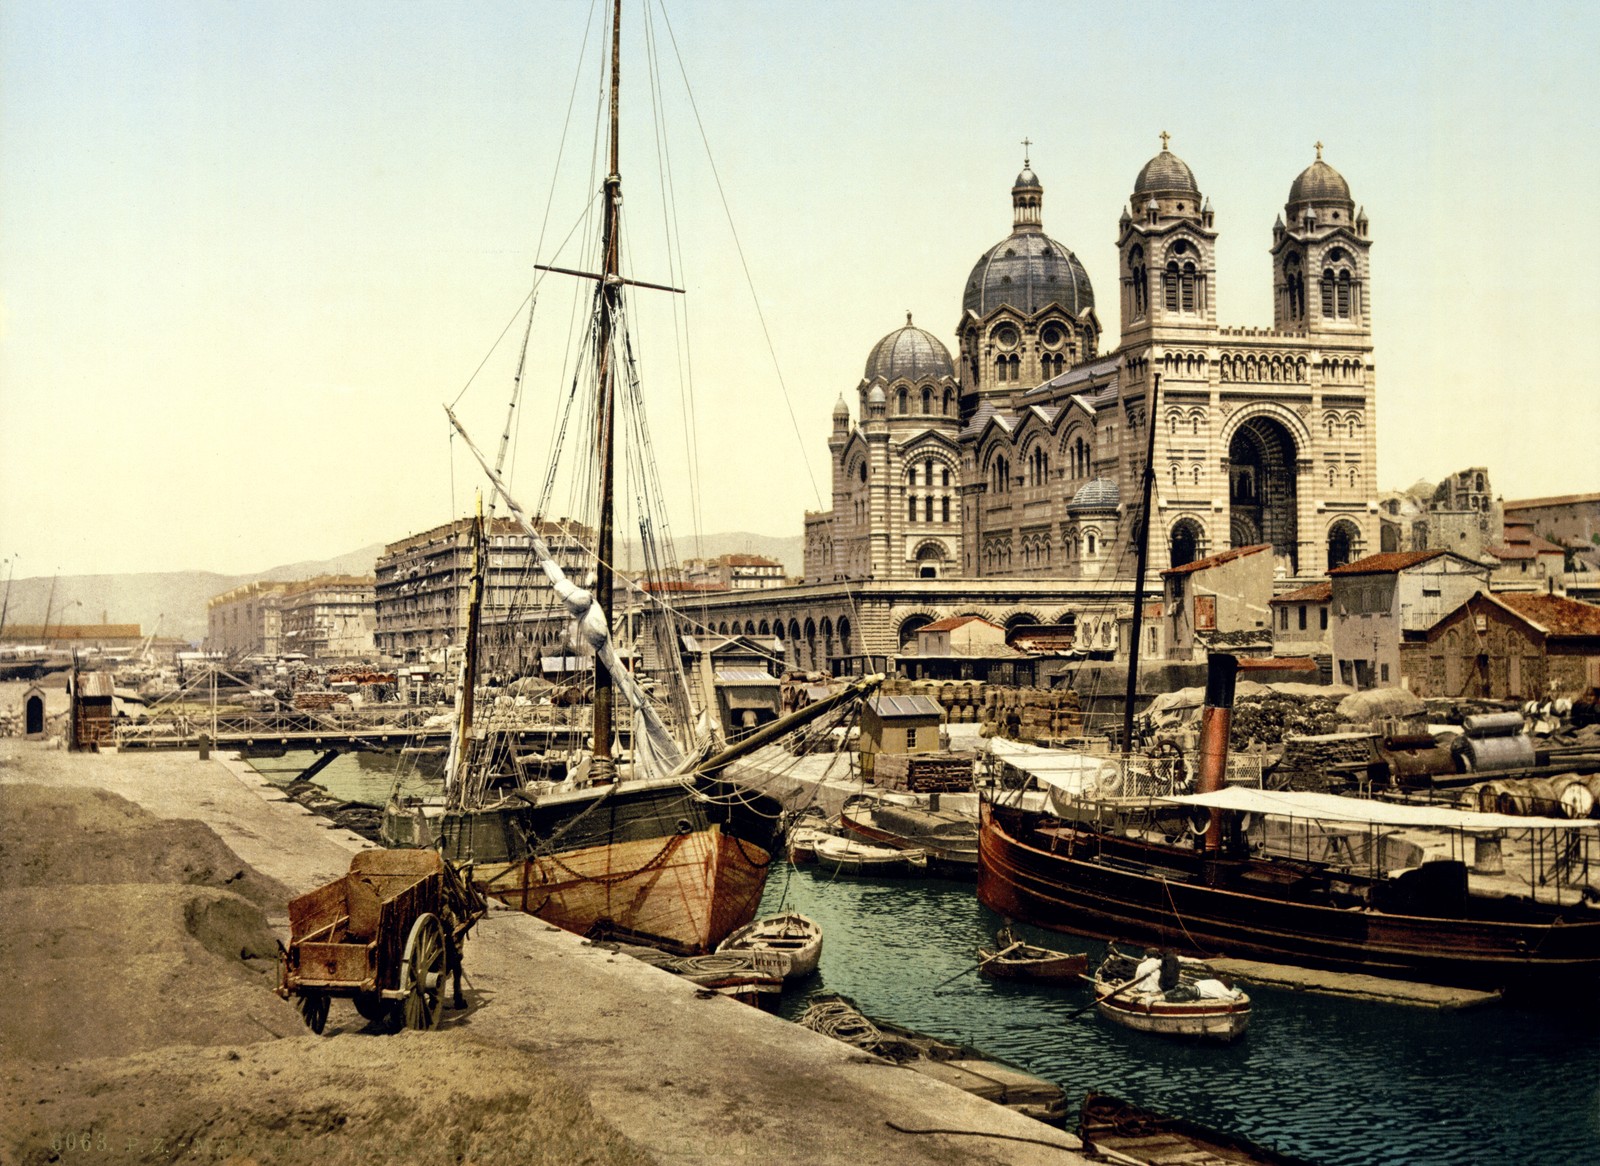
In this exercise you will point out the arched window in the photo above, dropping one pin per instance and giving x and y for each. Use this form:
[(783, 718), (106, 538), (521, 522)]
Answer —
[(1188, 285), (946, 409), (944, 508), (1137, 280), (1169, 281), (1089, 544), (900, 402), (927, 400), (911, 507), (944, 477), (1174, 473), (1344, 295), (1327, 293), (927, 508)]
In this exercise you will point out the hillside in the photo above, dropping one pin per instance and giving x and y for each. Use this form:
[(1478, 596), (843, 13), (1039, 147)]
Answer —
[(177, 599)]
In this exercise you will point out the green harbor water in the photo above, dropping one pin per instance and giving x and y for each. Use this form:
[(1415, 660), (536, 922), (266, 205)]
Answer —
[(1338, 1083)]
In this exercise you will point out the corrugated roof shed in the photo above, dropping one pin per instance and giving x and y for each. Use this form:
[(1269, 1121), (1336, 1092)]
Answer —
[(904, 706)]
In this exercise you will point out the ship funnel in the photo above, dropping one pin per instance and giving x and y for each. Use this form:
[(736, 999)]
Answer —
[(1216, 718)]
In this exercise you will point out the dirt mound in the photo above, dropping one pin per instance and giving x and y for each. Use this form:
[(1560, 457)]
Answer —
[(310, 1101), (103, 970), (82, 836)]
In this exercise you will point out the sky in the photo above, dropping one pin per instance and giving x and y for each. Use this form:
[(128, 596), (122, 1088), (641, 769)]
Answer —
[(247, 250)]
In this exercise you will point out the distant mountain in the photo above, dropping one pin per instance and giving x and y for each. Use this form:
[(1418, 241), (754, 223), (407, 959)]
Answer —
[(173, 603)]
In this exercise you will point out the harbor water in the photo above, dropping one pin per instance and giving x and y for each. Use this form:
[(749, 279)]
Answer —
[(1335, 1082)]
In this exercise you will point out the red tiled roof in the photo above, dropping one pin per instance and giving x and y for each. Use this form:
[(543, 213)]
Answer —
[(954, 622), (1556, 614), (749, 561), (1216, 560), (1556, 500), (1316, 593), (679, 585), (1387, 562)]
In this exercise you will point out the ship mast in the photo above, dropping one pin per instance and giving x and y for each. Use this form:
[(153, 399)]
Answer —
[(1147, 491), (609, 292)]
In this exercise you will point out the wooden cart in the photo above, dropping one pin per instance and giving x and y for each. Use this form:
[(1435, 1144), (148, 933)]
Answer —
[(386, 935)]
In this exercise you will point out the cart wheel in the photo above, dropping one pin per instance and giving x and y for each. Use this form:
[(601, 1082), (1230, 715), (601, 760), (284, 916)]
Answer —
[(422, 973), (314, 1011)]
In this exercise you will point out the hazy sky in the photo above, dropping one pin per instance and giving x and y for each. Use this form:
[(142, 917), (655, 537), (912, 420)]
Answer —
[(247, 249)]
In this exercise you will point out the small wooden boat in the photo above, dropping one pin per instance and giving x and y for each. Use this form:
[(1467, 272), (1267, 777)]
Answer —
[(792, 938), (1170, 995), (1122, 1132), (1013, 959), (963, 1066), (854, 856), (803, 837), (751, 977), (948, 839)]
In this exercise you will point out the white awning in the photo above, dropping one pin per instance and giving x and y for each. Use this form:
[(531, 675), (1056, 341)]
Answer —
[(1333, 808)]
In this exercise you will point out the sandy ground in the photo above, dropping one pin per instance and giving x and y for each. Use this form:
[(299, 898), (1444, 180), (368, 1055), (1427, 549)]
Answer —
[(138, 945), (140, 1024)]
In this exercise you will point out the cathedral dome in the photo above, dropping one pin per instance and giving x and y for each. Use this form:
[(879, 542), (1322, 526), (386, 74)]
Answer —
[(1027, 271), (909, 353), (1099, 494), (1166, 173), (1319, 182)]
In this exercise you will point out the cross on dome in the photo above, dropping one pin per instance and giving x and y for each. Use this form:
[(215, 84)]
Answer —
[(1319, 151), (1165, 138), (1026, 142)]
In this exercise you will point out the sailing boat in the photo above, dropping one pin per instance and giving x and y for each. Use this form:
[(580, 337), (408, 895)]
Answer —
[(1117, 869), (666, 850)]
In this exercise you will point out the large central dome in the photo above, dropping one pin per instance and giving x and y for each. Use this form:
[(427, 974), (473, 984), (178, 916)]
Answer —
[(1027, 271)]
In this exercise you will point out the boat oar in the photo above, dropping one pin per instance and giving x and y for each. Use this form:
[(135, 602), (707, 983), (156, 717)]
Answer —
[(1108, 996), (979, 964)]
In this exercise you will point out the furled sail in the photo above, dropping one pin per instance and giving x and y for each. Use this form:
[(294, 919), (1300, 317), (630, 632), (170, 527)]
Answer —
[(655, 753)]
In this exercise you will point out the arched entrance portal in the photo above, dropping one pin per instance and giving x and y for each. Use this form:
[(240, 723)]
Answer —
[(33, 715), (1344, 542), (1185, 545), (1261, 489)]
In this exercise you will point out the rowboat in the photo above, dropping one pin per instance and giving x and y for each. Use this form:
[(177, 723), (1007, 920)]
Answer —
[(1012, 959), (1122, 1132), (794, 940), (803, 837), (1171, 996), (852, 856), (949, 840), (963, 1066)]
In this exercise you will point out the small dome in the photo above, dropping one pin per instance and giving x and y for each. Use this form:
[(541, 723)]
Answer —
[(1319, 182), (840, 409), (1099, 494), (909, 353), (1028, 270), (876, 397), (1027, 180), (1166, 173)]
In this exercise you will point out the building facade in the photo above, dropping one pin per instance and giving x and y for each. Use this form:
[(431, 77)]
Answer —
[(1516, 646), (329, 618), (1379, 601), (246, 620), (1020, 456), (423, 584)]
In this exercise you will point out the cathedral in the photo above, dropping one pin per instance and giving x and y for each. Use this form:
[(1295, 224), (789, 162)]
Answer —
[(1018, 456)]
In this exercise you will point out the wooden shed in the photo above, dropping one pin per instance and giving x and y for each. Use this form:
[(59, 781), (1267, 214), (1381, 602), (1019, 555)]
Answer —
[(91, 709), (900, 724)]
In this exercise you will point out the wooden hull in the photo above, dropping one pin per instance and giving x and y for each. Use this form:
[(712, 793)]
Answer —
[(944, 861), (1049, 967), (868, 860), (793, 940), (1205, 1020), (648, 862), (1074, 879)]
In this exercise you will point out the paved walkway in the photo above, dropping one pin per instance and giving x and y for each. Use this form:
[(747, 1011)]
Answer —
[(692, 1080)]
